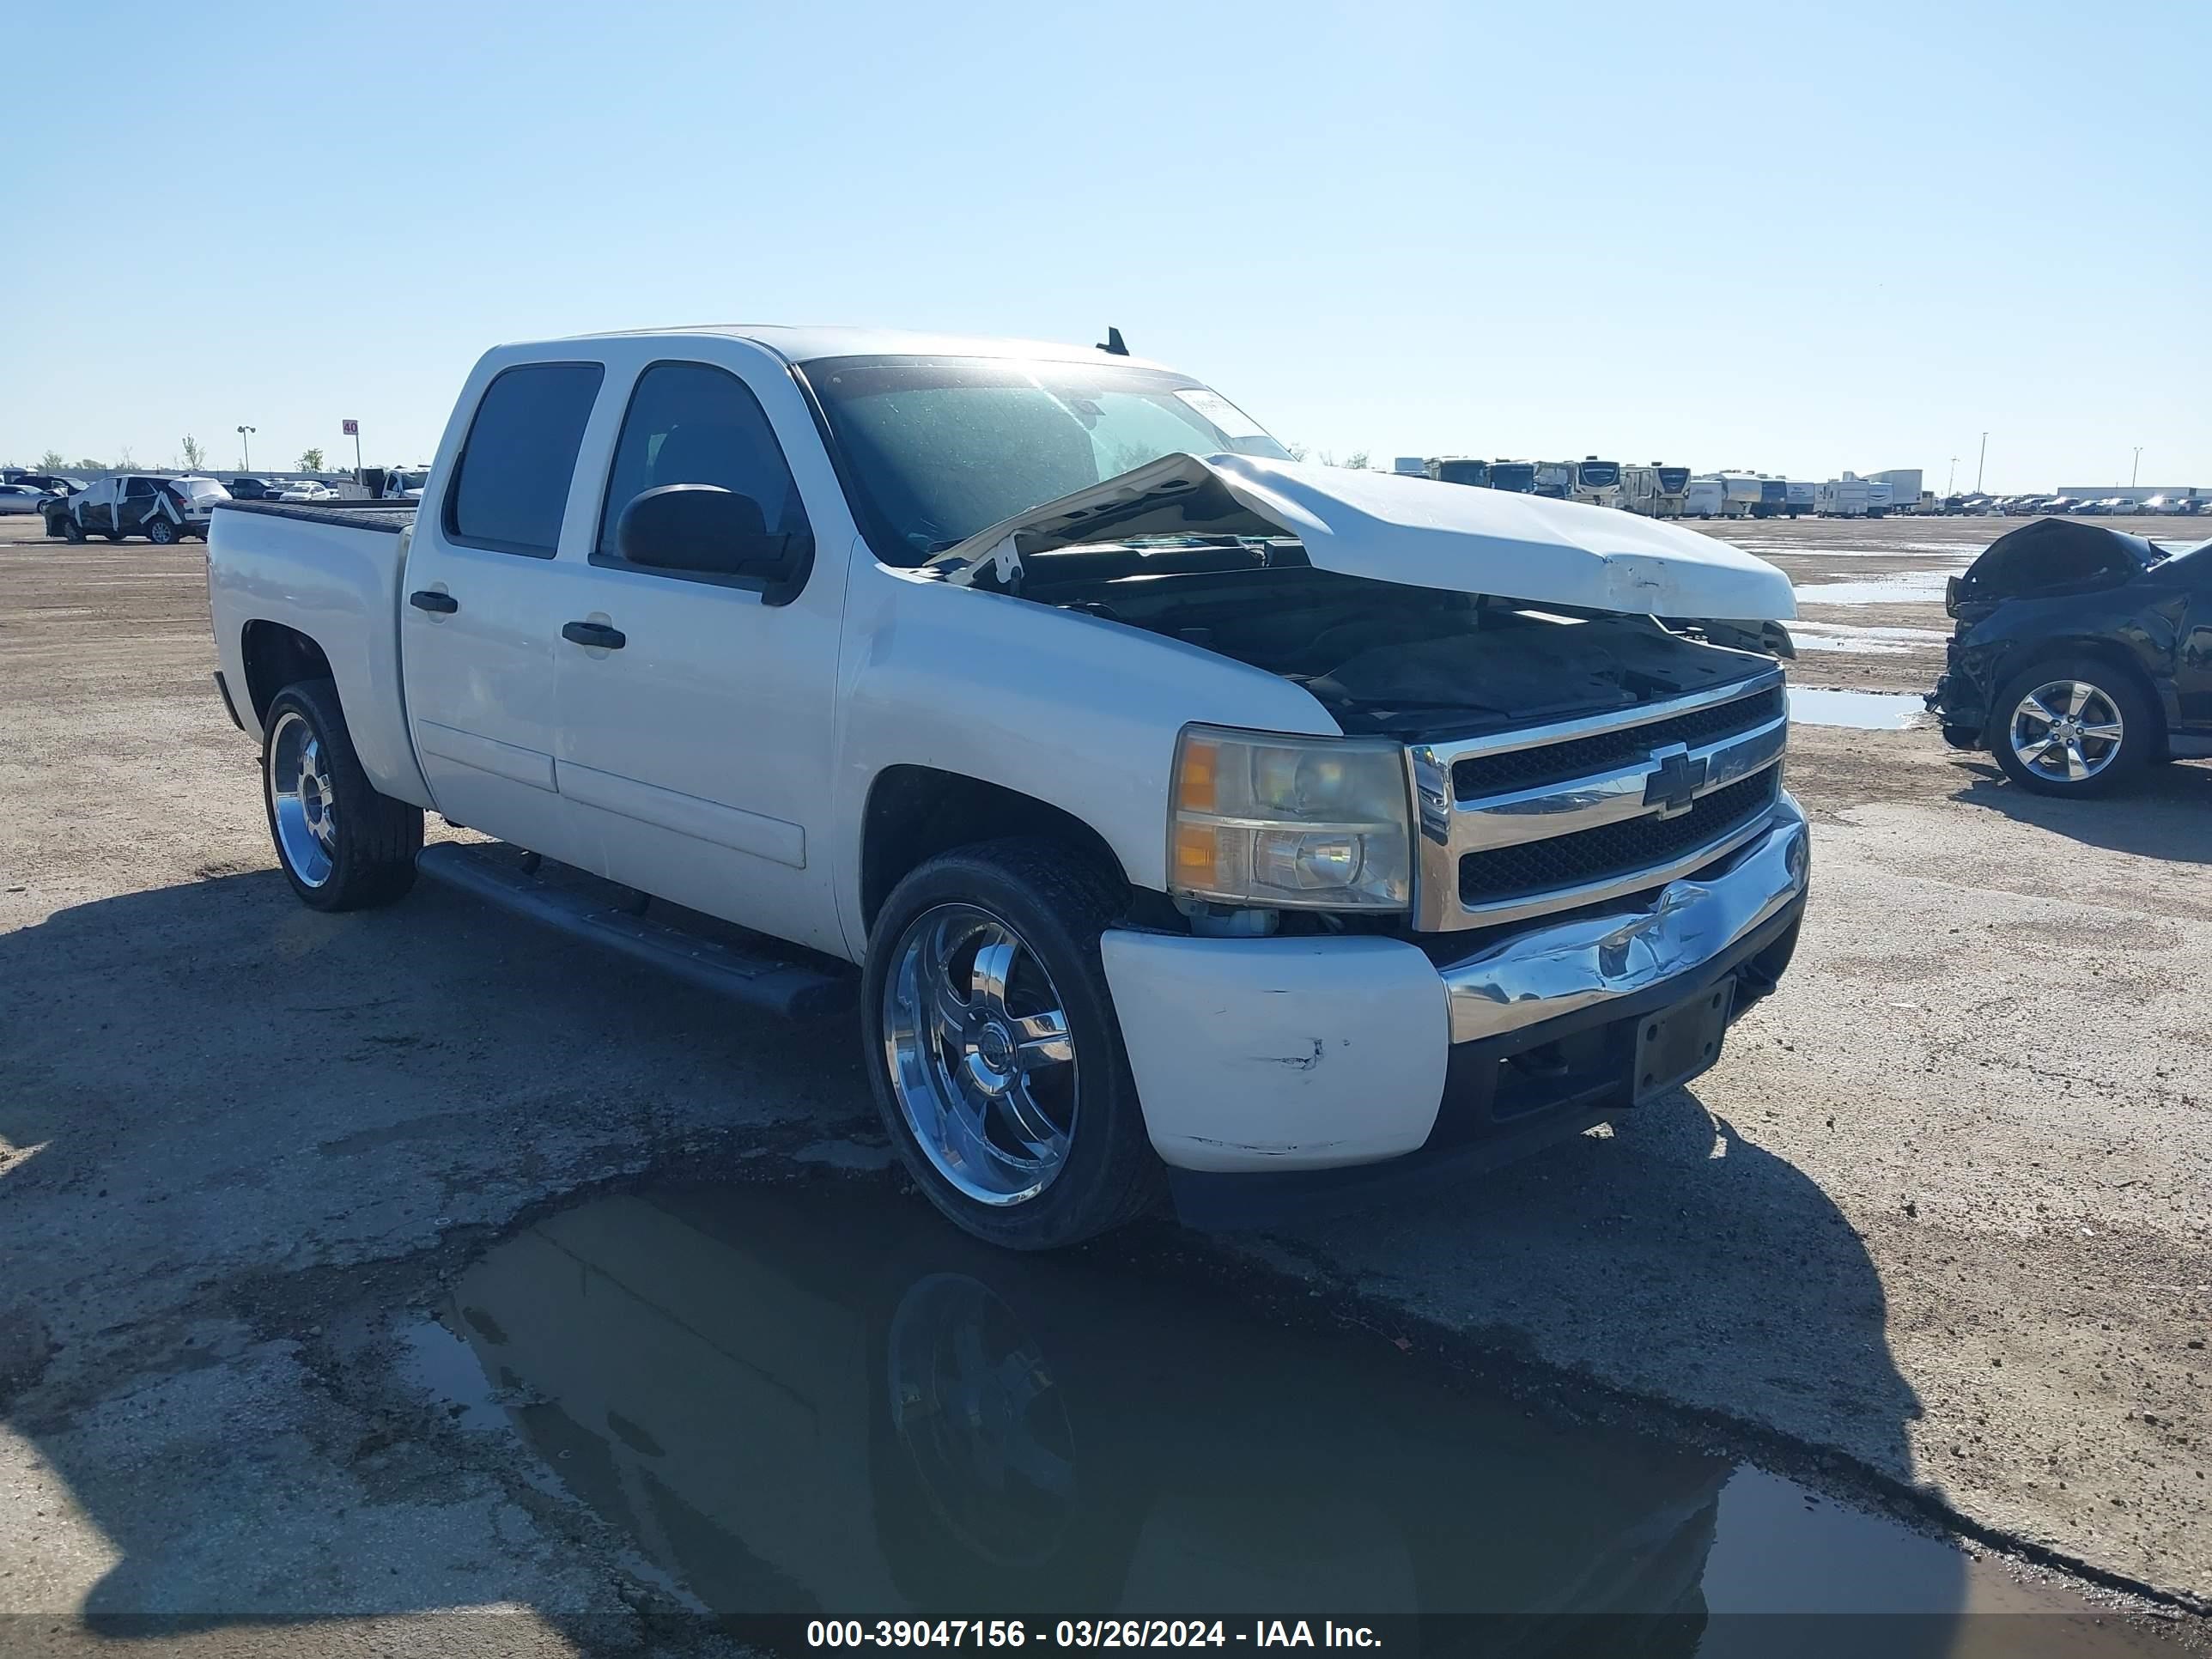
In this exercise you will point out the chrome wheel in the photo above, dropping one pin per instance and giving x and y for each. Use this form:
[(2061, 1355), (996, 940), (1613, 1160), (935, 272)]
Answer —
[(301, 801), (2067, 731), (981, 1063), (974, 1401)]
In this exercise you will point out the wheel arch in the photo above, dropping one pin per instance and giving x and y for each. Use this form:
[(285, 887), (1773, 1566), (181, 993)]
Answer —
[(276, 655), (2027, 655), (915, 812)]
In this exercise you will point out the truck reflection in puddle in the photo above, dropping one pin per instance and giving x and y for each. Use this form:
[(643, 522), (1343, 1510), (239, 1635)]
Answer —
[(804, 1401), (822, 1401)]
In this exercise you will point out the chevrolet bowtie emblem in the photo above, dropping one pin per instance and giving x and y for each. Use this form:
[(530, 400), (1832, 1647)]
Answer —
[(1675, 783)]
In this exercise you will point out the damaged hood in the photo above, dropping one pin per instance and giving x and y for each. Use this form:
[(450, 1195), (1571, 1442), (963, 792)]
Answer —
[(1411, 531)]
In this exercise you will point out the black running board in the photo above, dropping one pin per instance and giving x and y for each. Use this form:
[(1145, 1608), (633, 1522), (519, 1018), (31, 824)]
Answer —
[(789, 988)]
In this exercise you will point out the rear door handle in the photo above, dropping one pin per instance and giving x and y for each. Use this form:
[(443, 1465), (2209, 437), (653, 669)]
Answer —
[(442, 605), (596, 634)]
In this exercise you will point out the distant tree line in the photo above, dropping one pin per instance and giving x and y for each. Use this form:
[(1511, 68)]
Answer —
[(194, 453)]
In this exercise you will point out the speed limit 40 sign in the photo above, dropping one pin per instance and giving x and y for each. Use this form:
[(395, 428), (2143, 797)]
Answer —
[(351, 428)]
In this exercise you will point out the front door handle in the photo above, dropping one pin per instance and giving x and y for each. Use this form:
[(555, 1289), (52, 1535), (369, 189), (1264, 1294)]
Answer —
[(441, 605), (596, 634)]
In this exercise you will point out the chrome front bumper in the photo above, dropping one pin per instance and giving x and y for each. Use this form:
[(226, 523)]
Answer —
[(1592, 961)]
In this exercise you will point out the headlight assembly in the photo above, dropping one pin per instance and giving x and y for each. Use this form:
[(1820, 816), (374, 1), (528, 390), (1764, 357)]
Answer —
[(1316, 823)]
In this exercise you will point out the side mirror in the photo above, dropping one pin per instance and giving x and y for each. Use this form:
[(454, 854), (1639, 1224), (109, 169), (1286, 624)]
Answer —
[(709, 530)]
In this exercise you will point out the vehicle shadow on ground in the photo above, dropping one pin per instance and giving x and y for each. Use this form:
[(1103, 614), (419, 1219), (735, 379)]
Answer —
[(232, 1095), (240, 1118), (2166, 813)]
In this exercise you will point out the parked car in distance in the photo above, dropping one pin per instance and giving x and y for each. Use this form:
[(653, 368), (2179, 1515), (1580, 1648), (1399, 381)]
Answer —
[(17, 499), (304, 489), (163, 510), (405, 484), (249, 487), (1184, 819), (51, 483), (2081, 655)]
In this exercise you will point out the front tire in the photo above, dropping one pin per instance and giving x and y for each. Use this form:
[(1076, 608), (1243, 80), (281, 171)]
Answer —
[(2074, 727), (342, 845), (996, 1060), (72, 531)]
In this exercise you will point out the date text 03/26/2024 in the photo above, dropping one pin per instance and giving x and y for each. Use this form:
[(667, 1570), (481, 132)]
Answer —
[(1086, 1633)]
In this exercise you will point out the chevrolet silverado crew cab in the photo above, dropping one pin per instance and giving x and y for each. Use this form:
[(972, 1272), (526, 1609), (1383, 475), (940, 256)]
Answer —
[(1183, 817)]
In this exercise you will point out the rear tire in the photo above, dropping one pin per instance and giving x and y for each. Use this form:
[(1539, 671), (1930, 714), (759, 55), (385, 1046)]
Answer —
[(995, 1058), (2074, 725), (342, 845), (160, 532)]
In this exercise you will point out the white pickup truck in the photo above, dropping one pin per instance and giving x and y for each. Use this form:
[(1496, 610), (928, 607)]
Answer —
[(1184, 818)]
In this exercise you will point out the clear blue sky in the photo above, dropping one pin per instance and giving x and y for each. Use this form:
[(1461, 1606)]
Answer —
[(1791, 236)]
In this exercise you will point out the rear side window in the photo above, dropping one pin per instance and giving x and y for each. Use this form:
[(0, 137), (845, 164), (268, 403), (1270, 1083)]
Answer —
[(137, 488), (511, 484), (691, 423)]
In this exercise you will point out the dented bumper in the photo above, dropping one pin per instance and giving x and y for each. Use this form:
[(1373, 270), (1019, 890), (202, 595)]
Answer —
[(1307, 1065)]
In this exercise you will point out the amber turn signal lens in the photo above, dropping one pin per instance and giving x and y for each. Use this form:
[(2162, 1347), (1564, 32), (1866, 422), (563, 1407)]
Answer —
[(1198, 761), (1195, 854)]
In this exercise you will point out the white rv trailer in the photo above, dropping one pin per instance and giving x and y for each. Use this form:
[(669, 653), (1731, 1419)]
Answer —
[(1639, 490), (1655, 491), (1842, 498), (1745, 491), (1800, 496), (1707, 498), (1903, 484), (1594, 483)]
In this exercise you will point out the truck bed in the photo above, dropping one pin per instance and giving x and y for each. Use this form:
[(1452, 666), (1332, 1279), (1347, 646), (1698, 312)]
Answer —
[(394, 516), (332, 575)]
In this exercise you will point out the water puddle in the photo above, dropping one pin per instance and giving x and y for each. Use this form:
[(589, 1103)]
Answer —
[(1863, 642), (1871, 711), (1905, 587), (1768, 547), (819, 1400)]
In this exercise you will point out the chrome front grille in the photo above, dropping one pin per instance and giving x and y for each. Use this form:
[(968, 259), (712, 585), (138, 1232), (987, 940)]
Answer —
[(1523, 824)]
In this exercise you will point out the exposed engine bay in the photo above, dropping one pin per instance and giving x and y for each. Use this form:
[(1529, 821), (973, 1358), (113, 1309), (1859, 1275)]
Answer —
[(1385, 658)]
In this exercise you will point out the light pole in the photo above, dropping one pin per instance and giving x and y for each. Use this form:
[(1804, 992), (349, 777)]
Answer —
[(1954, 478), (246, 447), (1979, 465), (2137, 468)]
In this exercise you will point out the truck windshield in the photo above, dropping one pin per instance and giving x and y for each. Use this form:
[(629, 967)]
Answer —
[(935, 449), (1513, 476)]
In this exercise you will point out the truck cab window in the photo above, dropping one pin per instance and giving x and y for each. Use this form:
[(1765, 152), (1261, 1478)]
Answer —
[(511, 484), (691, 423)]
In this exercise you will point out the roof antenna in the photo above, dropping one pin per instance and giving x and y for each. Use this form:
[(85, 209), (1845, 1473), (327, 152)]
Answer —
[(1113, 345)]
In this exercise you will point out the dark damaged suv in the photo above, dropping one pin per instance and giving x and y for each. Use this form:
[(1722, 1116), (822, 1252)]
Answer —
[(2082, 655)]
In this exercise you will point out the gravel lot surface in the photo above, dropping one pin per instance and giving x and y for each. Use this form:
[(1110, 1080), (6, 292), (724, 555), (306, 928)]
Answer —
[(1941, 1221)]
